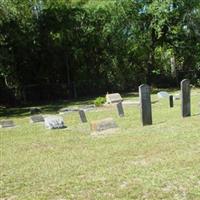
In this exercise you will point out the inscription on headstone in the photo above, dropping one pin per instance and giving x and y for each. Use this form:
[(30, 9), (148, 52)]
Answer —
[(185, 98), (36, 118), (113, 98), (120, 109), (82, 116), (145, 105), (6, 124)]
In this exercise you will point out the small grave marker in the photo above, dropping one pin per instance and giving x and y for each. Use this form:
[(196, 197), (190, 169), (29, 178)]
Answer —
[(34, 111), (54, 122), (6, 124), (36, 118), (145, 104), (113, 98), (171, 101), (120, 109), (82, 116), (185, 98), (102, 125)]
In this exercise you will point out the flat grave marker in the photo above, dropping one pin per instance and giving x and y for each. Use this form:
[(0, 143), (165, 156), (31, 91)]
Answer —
[(36, 118), (113, 98), (7, 124), (102, 125), (54, 122)]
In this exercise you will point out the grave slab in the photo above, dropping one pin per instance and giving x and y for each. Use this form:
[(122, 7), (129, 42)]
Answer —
[(102, 125), (36, 118), (6, 124), (54, 122), (113, 98)]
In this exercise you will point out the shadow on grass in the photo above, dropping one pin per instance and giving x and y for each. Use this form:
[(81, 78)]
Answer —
[(50, 108)]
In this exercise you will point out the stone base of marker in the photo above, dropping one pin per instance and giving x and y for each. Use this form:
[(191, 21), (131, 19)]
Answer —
[(36, 118), (54, 122), (102, 125), (7, 124)]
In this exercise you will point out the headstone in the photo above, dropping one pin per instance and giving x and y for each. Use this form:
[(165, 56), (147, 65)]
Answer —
[(185, 98), (68, 110), (102, 125), (6, 124), (162, 95), (54, 122), (34, 111), (36, 118), (171, 101), (82, 116), (120, 109), (145, 105), (113, 98)]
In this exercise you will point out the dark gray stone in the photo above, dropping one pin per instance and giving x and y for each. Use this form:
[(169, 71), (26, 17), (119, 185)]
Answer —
[(145, 105), (102, 125), (36, 118), (171, 101), (120, 109), (185, 98), (34, 111), (7, 124), (82, 116)]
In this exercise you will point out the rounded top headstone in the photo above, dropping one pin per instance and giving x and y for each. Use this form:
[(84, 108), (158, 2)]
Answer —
[(162, 95)]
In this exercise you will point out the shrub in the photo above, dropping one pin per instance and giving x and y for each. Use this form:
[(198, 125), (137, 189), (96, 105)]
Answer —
[(99, 101)]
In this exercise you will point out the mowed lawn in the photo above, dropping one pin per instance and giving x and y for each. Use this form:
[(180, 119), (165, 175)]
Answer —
[(161, 161)]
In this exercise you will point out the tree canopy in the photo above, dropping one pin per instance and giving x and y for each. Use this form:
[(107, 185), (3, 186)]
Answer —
[(68, 48)]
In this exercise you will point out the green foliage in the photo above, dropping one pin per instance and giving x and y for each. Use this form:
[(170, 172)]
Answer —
[(99, 101), (96, 46)]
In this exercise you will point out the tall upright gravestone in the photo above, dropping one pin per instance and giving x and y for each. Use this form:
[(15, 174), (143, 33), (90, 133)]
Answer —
[(145, 105), (185, 98)]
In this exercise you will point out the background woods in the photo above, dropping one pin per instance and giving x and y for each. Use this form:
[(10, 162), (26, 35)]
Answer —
[(63, 49)]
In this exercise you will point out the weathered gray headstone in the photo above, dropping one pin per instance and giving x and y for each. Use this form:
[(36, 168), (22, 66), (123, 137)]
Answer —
[(102, 125), (120, 109), (145, 104), (82, 116), (113, 98), (54, 122), (36, 118), (185, 98), (6, 124)]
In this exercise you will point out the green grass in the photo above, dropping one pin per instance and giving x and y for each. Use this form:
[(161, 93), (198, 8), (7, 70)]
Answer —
[(161, 161)]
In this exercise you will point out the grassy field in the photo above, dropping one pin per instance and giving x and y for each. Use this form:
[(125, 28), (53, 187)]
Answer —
[(161, 161)]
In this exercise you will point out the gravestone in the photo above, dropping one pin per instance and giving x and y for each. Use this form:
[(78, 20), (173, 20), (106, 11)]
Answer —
[(185, 98), (102, 125), (120, 109), (171, 101), (113, 98), (36, 118), (34, 111), (82, 116), (145, 105), (68, 110), (163, 95), (54, 122), (6, 124)]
